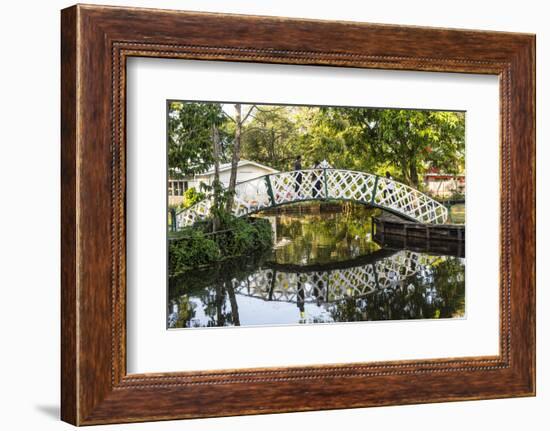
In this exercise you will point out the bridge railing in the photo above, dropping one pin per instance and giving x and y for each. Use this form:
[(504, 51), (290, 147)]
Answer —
[(415, 205), (320, 184), (334, 285)]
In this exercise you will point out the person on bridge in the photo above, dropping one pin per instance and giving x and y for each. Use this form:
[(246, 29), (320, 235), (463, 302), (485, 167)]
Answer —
[(298, 175)]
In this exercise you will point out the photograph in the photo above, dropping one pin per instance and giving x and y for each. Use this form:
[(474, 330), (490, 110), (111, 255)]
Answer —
[(287, 214)]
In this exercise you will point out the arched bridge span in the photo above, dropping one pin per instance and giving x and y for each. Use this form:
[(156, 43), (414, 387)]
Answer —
[(283, 188)]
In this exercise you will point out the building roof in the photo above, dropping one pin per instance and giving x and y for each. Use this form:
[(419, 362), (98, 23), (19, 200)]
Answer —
[(227, 166)]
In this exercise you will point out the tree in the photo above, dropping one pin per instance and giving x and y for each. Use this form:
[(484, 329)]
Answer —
[(409, 140), (327, 134), (190, 148), (404, 142), (216, 183), (271, 136), (238, 121)]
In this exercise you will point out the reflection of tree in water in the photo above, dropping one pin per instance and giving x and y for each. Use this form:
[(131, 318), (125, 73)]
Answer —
[(449, 279), (413, 291), (210, 290), (325, 268), (213, 300), (434, 292), (181, 313), (327, 237)]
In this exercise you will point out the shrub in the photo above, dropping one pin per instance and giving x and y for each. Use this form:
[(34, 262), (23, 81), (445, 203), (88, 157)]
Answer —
[(243, 236), (191, 251), (193, 248), (457, 196), (191, 197), (263, 235)]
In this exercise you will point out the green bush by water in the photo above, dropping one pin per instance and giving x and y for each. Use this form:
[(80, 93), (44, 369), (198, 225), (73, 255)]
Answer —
[(192, 251), (196, 246)]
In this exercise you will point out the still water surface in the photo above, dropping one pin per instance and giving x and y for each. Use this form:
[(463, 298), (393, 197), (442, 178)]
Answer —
[(323, 268)]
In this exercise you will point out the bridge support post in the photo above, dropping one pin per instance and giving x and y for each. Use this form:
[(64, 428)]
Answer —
[(375, 187), (325, 180), (376, 282), (173, 222), (270, 190)]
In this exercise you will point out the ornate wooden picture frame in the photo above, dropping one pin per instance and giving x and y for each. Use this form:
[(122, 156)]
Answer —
[(96, 41)]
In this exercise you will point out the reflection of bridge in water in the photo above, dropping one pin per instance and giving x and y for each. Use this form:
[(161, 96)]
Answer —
[(284, 188), (333, 283)]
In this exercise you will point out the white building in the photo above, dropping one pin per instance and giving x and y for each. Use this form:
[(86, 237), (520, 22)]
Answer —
[(444, 185), (246, 170)]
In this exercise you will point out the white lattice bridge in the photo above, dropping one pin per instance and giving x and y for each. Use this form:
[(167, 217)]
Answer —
[(334, 285), (321, 184)]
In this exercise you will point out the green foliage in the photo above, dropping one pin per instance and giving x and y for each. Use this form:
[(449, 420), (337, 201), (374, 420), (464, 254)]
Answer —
[(406, 142), (271, 136), (243, 236), (191, 250), (194, 248), (220, 196), (190, 136), (456, 196), (192, 196), (328, 135)]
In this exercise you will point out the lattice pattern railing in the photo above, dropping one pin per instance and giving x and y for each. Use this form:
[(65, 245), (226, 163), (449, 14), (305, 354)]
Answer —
[(318, 184), (392, 195), (296, 186), (334, 285)]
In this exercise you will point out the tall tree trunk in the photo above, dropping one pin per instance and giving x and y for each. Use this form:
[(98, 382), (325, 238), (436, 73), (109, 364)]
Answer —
[(413, 173), (272, 148), (404, 166), (233, 302), (236, 157), (219, 301), (216, 184)]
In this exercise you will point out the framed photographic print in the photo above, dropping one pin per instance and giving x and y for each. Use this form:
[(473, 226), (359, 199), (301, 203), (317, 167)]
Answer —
[(324, 214)]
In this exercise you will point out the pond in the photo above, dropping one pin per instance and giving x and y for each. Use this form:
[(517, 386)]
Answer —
[(324, 267)]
